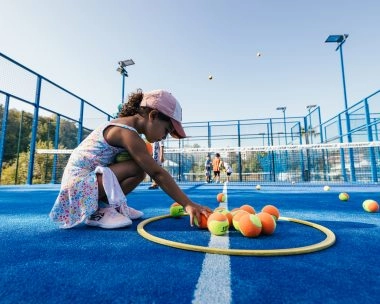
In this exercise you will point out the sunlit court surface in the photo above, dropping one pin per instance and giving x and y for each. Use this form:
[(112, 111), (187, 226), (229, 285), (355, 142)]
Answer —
[(44, 264)]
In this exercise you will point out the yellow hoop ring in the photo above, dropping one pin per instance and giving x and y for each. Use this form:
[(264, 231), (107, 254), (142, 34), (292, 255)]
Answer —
[(327, 242)]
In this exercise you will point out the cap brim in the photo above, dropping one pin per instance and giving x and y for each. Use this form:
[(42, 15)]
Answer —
[(178, 131)]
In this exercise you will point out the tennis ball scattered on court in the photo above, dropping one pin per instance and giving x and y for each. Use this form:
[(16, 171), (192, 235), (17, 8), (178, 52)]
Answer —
[(370, 205), (122, 156), (217, 223), (221, 197), (250, 225), (202, 224), (236, 218), (326, 188), (272, 210), (344, 196), (176, 210), (248, 208), (258, 187), (268, 223)]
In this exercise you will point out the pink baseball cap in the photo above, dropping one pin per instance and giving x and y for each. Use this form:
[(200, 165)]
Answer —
[(166, 103)]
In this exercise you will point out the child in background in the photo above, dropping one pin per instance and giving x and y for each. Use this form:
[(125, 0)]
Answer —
[(208, 165), (158, 156), (94, 186), (216, 164), (228, 169)]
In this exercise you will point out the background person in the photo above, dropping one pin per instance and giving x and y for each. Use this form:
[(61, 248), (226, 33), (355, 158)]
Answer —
[(216, 164), (208, 167), (158, 156)]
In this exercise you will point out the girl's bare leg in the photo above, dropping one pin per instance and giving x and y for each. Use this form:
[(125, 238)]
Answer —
[(127, 173)]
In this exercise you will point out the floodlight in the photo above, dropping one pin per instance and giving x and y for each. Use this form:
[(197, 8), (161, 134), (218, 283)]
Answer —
[(127, 62), (336, 38)]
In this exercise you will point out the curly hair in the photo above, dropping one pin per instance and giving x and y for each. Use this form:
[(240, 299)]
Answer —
[(132, 106)]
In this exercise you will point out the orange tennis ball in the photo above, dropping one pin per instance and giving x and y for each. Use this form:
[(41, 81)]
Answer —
[(272, 210), (217, 223), (202, 224), (370, 206), (233, 211), (149, 147), (268, 223), (344, 196), (236, 218), (250, 225), (226, 213), (221, 197), (248, 208)]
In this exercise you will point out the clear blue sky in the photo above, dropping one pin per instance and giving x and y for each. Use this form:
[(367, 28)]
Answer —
[(177, 44)]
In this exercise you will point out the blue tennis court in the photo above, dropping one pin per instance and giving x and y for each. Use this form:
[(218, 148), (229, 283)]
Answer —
[(44, 264)]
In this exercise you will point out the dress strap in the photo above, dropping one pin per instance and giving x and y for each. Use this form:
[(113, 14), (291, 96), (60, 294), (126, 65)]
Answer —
[(121, 126)]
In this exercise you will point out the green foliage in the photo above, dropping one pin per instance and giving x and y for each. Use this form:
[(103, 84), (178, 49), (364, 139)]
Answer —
[(17, 146)]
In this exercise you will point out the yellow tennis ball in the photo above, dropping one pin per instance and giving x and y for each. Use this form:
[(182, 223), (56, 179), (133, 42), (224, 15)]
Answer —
[(370, 205), (258, 187), (176, 210), (122, 156), (344, 196), (326, 188), (221, 197), (217, 223)]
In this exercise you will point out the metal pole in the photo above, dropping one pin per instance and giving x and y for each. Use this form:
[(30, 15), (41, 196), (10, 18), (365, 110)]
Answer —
[(18, 146), (286, 137), (123, 87), (348, 125)]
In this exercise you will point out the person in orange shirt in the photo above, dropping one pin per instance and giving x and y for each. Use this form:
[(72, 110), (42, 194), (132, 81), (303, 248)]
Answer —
[(216, 164)]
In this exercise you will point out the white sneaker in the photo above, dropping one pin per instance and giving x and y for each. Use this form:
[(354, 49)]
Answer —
[(108, 218), (130, 212)]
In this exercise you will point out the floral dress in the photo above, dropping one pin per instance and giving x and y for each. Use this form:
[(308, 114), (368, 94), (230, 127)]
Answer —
[(78, 196)]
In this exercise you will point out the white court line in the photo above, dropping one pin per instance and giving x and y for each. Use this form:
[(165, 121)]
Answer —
[(214, 283)]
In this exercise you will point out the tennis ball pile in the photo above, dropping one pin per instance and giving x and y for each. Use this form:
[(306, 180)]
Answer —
[(244, 219)]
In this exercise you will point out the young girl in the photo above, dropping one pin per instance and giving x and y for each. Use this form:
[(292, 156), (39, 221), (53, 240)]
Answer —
[(94, 186)]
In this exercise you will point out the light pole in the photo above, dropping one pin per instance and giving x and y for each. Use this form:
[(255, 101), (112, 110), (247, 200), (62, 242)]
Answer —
[(340, 39), (121, 69), (283, 109), (309, 128)]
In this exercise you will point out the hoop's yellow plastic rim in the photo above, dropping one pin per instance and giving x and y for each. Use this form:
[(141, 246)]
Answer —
[(327, 242)]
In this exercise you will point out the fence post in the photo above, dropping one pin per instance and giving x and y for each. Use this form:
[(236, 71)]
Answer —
[(34, 132)]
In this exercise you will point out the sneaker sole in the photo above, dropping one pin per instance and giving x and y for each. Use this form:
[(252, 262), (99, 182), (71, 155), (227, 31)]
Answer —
[(109, 226)]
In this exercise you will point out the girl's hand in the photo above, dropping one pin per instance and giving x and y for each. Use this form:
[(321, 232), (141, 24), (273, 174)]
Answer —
[(195, 210)]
